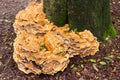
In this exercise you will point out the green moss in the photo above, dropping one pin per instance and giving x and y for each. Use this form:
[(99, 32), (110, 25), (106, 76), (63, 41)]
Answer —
[(32, 55), (42, 46), (92, 15), (56, 11), (61, 54), (111, 31)]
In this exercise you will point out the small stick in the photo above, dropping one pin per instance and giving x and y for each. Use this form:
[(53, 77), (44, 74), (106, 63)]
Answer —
[(6, 65)]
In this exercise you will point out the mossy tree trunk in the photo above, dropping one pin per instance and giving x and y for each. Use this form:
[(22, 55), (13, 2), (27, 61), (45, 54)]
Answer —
[(93, 15), (56, 11)]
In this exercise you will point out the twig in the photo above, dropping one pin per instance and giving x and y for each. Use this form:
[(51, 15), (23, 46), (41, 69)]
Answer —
[(6, 65)]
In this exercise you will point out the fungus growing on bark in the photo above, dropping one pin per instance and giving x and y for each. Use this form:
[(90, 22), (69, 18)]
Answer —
[(42, 47)]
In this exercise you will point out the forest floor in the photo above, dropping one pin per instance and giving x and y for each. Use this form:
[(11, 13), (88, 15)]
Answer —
[(104, 65)]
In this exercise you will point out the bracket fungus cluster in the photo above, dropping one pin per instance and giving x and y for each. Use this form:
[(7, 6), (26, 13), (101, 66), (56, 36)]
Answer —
[(42, 47)]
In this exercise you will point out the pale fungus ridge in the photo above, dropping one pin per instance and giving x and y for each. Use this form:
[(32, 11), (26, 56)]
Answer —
[(42, 47)]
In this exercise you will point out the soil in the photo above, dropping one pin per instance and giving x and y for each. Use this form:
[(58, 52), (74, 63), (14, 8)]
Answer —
[(104, 65)]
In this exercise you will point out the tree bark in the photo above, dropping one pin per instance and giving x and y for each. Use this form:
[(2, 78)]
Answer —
[(56, 11), (93, 15)]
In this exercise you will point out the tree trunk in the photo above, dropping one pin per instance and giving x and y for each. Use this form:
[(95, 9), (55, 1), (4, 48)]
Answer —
[(56, 11), (93, 15)]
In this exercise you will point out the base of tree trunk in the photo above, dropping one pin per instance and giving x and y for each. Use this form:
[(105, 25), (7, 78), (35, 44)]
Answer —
[(82, 14), (92, 15)]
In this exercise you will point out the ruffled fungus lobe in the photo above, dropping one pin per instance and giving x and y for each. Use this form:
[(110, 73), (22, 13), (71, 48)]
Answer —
[(42, 47)]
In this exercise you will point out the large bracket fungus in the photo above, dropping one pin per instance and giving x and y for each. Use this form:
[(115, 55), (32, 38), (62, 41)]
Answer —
[(42, 47)]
